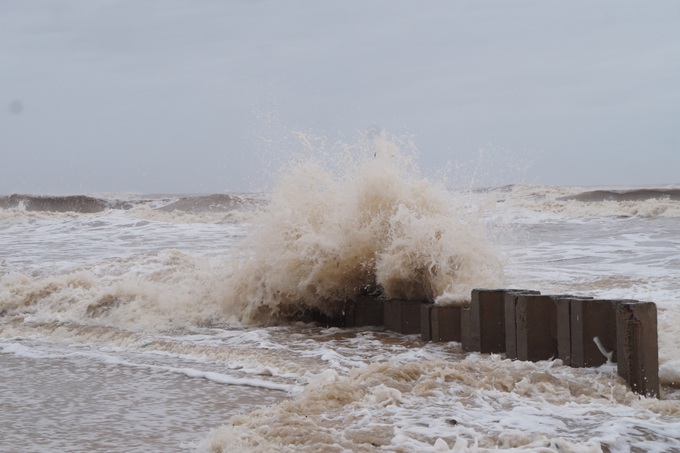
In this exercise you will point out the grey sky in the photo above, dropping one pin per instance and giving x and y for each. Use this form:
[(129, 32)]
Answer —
[(185, 96)]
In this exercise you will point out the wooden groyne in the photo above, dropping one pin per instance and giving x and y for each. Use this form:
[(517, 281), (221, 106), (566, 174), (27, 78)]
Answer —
[(527, 325)]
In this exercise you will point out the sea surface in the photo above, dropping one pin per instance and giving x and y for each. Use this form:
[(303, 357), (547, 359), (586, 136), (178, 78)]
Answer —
[(144, 323)]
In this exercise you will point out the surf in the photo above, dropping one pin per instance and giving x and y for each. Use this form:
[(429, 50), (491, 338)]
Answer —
[(360, 220)]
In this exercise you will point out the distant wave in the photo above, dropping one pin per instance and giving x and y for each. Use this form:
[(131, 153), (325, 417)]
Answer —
[(625, 195), (86, 204), (209, 203), (69, 203)]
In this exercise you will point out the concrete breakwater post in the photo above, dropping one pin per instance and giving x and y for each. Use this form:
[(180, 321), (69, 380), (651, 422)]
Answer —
[(586, 332), (536, 327), (446, 323), (542, 326), (509, 312), (592, 326), (402, 316), (364, 311), (566, 307), (526, 325), (440, 323), (487, 323), (465, 340), (426, 322), (637, 346), (563, 332)]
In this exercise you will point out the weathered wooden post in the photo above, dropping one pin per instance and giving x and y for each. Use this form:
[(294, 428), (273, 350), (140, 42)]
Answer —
[(364, 311), (487, 319), (402, 316), (426, 322), (446, 323), (638, 346), (536, 327), (465, 339), (593, 327)]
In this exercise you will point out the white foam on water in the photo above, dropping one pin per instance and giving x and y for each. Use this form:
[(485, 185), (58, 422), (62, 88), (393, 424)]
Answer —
[(247, 358), (184, 217), (149, 359), (115, 269), (540, 203), (159, 292), (474, 404)]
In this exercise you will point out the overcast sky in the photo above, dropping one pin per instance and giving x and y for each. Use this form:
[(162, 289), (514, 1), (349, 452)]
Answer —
[(180, 96)]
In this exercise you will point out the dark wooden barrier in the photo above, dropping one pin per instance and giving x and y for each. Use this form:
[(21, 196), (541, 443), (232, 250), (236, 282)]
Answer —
[(403, 316), (637, 346), (527, 325)]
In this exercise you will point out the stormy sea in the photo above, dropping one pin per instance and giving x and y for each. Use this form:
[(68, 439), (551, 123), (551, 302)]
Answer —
[(180, 322)]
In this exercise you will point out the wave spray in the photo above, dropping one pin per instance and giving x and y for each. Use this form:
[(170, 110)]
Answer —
[(362, 221)]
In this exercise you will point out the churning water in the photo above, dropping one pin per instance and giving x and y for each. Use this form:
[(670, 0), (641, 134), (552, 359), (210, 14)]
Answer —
[(173, 323)]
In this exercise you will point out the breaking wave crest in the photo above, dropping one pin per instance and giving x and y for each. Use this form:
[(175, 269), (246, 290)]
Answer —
[(364, 222), (358, 221)]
